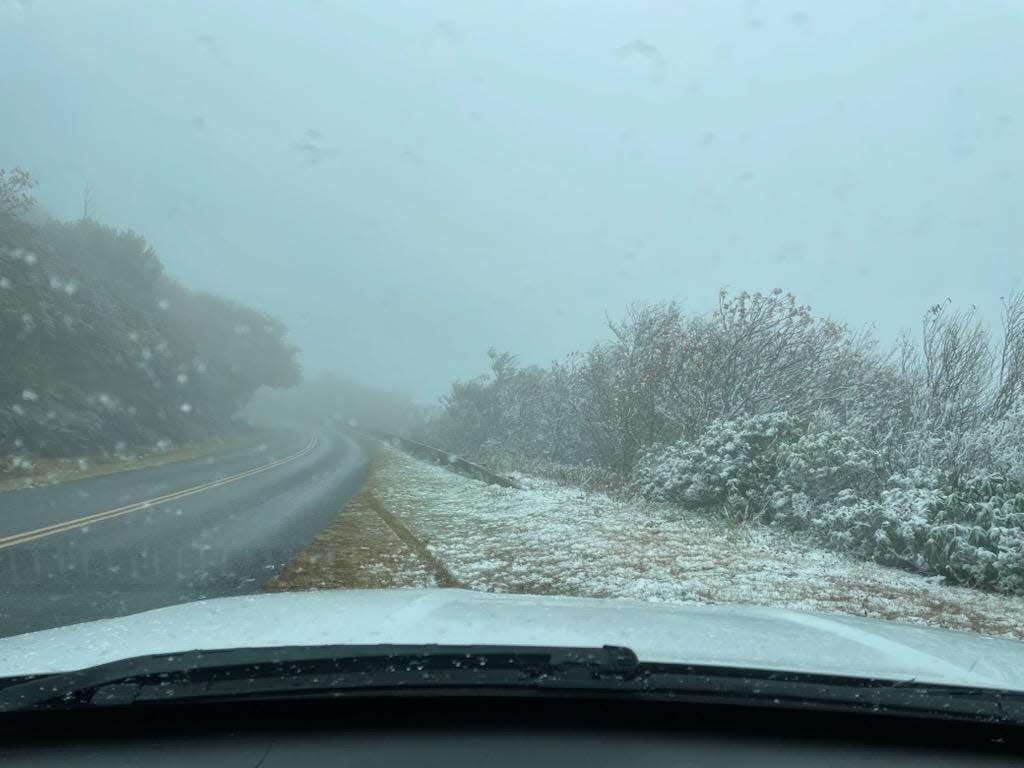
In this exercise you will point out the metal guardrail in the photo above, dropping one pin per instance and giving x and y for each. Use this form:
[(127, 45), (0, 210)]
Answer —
[(445, 459)]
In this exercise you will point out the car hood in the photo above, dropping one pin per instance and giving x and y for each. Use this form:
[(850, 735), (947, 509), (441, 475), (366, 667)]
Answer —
[(733, 636)]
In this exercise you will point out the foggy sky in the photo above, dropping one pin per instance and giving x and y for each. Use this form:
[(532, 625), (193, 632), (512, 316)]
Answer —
[(406, 184)]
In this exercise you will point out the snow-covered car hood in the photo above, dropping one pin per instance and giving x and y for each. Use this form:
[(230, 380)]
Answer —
[(742, 636)]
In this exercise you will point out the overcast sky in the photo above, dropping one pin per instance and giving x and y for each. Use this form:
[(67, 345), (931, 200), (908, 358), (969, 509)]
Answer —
[(407, 184)]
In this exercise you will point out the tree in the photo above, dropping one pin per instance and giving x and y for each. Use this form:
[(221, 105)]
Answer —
[(240, 348), (16, 191), (124, 257), (112, 353)]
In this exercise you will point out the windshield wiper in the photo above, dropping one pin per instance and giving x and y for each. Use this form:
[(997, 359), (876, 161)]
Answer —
[(297, 670), (317, 671)]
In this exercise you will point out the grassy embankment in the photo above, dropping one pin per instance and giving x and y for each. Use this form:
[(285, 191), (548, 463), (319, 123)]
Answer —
[(415, 524)]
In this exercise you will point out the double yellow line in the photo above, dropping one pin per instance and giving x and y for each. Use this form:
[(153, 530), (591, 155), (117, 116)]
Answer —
[(79, 522)]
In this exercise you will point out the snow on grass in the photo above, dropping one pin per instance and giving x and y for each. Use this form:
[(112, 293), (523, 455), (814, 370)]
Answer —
[(552, 539)]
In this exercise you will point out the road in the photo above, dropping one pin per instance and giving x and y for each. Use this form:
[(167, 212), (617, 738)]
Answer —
[(130, 541)]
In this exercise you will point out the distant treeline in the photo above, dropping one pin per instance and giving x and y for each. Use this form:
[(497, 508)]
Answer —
[(101, 352), (331, 399)]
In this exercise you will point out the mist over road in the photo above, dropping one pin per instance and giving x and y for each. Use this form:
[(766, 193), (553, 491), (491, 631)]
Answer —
[(130, 541)]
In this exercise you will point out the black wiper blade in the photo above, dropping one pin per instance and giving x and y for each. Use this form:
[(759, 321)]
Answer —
[(292, 670), (839, 693), (317, 671)]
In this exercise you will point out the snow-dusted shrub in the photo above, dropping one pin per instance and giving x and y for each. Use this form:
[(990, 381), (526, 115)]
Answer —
[(762, 467), (732, 466), (818, 466), (972, 534), (827, 479), (892, 529), (977, 534)]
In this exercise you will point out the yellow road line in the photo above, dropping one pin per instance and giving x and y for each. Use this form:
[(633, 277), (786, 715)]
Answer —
[(79, 522)]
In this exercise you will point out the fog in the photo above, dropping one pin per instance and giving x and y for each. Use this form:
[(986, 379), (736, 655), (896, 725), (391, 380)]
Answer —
[(408, 184)]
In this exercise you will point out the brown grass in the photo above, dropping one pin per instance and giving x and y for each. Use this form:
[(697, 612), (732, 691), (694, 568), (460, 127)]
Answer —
[(365, 547)]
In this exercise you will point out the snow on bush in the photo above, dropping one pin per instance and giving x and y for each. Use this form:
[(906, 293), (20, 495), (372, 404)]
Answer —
[(977, 534), (732, 466), (760, 467), (892, 529), (972, 534), (826, 479), (824, 463)]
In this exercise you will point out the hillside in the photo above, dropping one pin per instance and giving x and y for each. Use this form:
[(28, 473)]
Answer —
[(103, 353)]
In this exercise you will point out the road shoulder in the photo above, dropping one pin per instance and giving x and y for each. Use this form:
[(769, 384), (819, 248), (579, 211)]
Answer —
[(365, 547)]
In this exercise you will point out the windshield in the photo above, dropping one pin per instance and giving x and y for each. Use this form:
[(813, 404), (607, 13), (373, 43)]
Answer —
[(714, 307)]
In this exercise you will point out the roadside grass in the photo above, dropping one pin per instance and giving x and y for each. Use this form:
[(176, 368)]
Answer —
[(48, 471), (554, 539), (359, 549)]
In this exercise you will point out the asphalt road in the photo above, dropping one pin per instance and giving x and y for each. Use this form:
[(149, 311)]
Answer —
[(127, 542)]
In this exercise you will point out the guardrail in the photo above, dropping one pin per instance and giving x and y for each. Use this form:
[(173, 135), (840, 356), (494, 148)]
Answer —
[(445, 459)]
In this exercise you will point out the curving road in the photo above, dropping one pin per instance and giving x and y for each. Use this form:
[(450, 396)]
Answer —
[(126, 542)]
